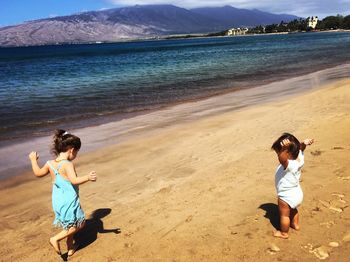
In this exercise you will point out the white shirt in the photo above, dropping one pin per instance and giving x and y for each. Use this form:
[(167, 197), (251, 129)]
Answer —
[(288, 179)]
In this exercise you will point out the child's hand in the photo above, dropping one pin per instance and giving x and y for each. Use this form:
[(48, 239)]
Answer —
[(92, 176), (308, 141), (33, 156), (285, 142)]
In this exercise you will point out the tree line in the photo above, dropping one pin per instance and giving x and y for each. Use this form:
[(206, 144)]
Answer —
[(298, 25)]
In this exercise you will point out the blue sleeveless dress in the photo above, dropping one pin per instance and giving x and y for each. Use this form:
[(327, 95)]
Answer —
[(65, 201)]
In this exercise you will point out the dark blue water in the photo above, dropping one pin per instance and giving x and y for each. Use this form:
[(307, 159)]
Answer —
[(45, 87)]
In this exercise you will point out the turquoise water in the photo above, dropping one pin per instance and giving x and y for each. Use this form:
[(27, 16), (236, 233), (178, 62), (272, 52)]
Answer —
[(45, 87)]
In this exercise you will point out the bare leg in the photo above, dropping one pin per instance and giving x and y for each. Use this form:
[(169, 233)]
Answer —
[(294, 219), (54, 241), (56, 245), (284, 211), (71, 247)]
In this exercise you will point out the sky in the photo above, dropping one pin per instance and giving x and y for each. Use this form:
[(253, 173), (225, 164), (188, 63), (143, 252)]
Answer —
[(18, 11)]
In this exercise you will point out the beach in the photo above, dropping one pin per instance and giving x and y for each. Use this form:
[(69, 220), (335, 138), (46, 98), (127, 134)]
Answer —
[(201, 189)]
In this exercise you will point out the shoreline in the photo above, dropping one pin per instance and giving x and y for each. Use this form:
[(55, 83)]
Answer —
[(133, 92), (202, 189), (174, 37), (102, 119), (114, 132)]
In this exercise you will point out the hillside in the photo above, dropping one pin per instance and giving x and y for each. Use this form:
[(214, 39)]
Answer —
[(140, 21)]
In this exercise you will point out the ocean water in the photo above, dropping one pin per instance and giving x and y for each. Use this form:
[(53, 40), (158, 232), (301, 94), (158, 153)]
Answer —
[(46, 87)]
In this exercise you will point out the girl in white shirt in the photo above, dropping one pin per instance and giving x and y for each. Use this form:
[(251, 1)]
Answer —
[(290, 153)]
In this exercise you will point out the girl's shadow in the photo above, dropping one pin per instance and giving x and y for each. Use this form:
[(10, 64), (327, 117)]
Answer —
[(93, 226), (272, 214)]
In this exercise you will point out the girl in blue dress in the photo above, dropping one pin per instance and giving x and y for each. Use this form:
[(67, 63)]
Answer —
[(65, 191)]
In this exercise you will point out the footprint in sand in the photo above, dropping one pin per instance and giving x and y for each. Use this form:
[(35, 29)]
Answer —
[(128, 234), (324, 203), (340, 174), (226, 251), (149, 178), (308, 246), (189, 219), (338, 195), (128, 245), (331, 206), (273, 249), (182, 172), (328, 224), (346, 237), (316, 152), (212, 188), (338, 204), (249, 235), (337, 148), (336, 209), (165, 190), (233, 230), (342, 201), (320, 252), (131, 221)]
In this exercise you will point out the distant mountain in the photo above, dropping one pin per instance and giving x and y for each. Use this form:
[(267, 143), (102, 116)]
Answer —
[(163, 19), (230, 16), (140, 21)]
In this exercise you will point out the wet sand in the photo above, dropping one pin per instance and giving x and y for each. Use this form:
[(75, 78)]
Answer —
[(202, 190), (97, 136)]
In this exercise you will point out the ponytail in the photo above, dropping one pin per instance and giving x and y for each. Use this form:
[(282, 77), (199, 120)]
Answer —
[(63, 141)]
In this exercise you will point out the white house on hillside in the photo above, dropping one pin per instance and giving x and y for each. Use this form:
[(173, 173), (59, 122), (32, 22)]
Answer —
[(237, 31), (312, 22)]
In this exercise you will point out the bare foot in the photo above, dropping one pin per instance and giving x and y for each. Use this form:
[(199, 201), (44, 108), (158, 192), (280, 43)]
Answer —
[(295, 226), (72, 250), (280, 234), (55, 245)]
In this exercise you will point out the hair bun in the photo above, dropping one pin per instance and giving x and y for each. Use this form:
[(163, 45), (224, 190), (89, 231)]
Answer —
[(62, 141), (58, 133)]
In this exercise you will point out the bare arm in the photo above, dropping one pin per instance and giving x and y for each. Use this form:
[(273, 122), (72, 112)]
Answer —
[(283, 155), (306, 142), (283, 158), (38, 172), (74, 179)]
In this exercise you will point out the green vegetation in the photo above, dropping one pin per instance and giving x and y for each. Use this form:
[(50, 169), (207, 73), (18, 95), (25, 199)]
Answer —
[(221, 33), (297, 25), (328, 23), (293, 26), (334, 22)]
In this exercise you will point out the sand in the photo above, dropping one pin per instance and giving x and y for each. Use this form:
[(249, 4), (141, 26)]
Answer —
[(201, 190)]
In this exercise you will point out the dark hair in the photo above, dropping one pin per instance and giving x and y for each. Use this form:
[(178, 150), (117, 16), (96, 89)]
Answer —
[(293, 148), (63, 141)]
